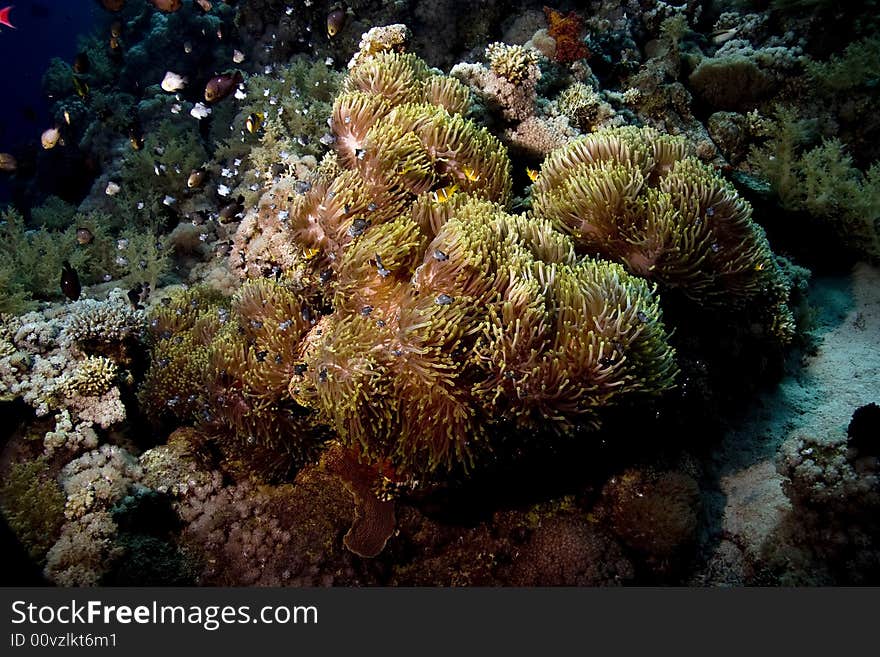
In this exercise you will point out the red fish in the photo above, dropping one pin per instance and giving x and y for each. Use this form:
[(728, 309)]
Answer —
[(4, 16)]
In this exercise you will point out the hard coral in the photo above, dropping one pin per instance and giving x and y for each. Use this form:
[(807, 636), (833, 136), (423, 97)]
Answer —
[(509, 84), (513, 63), (68, 358), (567, 30)]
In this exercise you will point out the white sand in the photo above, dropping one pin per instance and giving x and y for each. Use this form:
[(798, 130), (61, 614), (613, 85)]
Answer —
[(818, 400)]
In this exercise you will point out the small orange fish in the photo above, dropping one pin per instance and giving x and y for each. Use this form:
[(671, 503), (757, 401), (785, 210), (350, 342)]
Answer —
[(470, 174), (444, 194), (532, 174)]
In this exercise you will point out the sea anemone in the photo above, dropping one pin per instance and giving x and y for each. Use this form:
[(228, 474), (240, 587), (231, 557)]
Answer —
[(637, 197)]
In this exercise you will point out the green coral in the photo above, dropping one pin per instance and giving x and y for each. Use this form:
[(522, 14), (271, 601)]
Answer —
[(33, 259), (53, 214), (821, 181), (33, 505), (858, 65), (58, 79), (160, 168), (14, 298)]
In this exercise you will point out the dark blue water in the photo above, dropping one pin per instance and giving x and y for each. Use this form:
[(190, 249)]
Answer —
[(44, 29)]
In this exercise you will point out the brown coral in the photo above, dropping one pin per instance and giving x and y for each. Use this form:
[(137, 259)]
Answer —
[(567, 30), (653, 513), (226, 370)]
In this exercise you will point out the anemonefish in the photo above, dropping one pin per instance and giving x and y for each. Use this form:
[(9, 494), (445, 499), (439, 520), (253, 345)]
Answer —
[(4, 17), (470, 174), (444, 194)]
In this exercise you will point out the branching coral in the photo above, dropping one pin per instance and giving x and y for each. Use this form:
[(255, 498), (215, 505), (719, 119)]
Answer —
[(69, 358), (98, 479), (513, 63), (637, 197), (382, 38), (510, 82), (84, 552)]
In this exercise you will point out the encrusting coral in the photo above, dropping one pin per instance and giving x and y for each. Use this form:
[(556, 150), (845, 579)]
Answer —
[(640, 198)]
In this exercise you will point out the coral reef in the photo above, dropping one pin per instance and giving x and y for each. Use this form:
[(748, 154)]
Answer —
[(71, 360), (358, 347), (830, 536)]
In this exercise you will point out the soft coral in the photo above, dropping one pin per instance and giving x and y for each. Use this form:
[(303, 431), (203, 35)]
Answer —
[(566, 29)]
